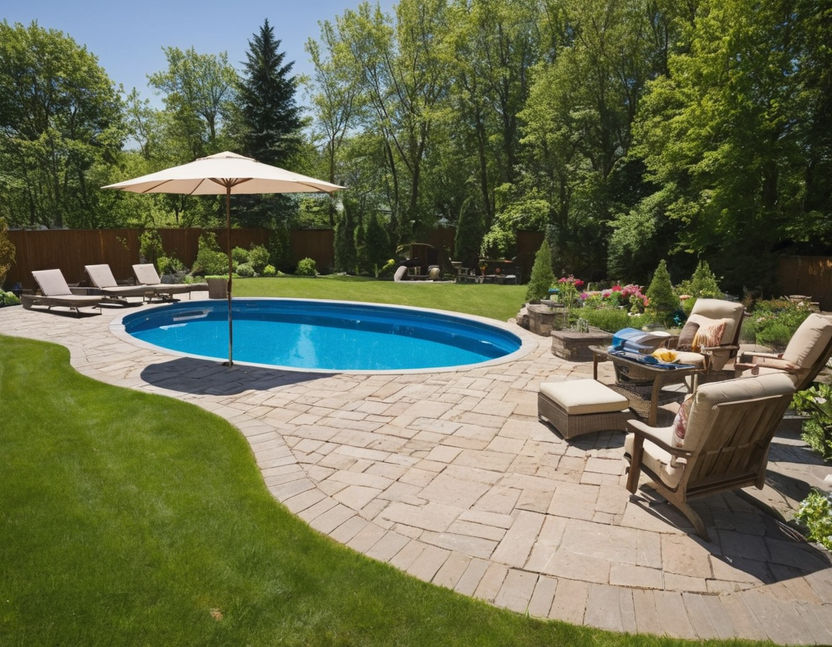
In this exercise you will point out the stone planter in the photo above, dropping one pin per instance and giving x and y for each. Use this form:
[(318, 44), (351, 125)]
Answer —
[(543, 319), (217, 288), (574, 346)]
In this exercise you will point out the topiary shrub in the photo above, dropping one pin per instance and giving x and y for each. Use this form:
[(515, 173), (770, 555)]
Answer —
[(239, 255), (210, 262), (269, 270), (307, 267), (662, 300), (542, 274), (702, 284), (245, 270), (258, 257)]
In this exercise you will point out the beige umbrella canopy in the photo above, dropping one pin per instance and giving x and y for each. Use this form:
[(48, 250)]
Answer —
[(225, 173)]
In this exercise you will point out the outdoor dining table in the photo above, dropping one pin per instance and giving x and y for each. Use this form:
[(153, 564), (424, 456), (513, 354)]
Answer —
[(655, 377)]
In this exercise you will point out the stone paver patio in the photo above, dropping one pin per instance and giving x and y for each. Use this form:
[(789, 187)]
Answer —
[(450, 477)]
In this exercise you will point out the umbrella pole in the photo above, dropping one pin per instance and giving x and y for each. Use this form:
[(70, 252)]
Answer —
[(230, 270)]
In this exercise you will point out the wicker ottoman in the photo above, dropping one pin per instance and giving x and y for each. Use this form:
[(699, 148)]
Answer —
[(578, 407)]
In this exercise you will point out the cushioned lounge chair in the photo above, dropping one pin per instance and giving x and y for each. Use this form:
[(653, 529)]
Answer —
[(805, 355), (147, 276), (101, 276), (54, 291), (710, 336), (719, 441)]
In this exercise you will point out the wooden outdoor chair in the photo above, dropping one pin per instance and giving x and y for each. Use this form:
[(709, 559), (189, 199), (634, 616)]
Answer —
[(719, 441), (804, 357), (710, 336)]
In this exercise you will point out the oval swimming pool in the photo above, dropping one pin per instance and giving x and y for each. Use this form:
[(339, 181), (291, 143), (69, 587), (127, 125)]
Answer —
[(322, 335)]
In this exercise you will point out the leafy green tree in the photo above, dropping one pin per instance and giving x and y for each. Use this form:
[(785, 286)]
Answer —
[(542, 275), (728, 135), (197, 91), (61, 125), (337, 102)]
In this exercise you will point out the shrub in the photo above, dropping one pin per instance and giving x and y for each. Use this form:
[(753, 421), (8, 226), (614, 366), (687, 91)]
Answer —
[(542, 274), (7, 251), (8, 299), (245, 270), (269, 270), (239, 255), (662, 300), (170, 265), (306, 267), (816, 402), (772, 323), (150, 245), (209, 261), (702, 284), (816, 513), (258, 256)]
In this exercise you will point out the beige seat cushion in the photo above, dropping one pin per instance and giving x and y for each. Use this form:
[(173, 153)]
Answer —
[(578, 397), (809, 340), (689, 357), (657, 460)]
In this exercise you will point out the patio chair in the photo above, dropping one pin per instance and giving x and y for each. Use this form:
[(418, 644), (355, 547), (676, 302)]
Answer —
[(719, 441), (805, 355), (710, 336), (147, 276), (54, 291), (101, 276)]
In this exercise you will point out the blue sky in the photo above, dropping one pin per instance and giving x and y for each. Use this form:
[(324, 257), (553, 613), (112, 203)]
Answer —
[(128, 38)]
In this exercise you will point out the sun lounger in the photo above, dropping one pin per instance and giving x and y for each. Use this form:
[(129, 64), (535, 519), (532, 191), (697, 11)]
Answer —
[(147, 276), (54, 291), (101, 276)]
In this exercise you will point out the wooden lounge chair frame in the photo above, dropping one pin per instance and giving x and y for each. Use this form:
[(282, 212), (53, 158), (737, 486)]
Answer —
[(732, 447), (54, 291)]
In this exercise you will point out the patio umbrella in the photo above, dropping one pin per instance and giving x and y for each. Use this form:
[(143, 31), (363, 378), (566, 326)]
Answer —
[(225, 173)]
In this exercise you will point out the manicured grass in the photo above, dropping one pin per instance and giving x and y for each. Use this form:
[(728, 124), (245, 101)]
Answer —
[(487, 300), (133, 519)]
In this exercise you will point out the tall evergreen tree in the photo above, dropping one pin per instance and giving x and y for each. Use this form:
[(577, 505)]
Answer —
[(270, 118), (268, 123)]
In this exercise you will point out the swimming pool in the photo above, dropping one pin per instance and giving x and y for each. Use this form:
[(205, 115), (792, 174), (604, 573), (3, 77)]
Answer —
[(323, 335)]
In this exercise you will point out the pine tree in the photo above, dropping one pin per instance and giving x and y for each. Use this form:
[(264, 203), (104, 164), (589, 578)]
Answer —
[(542, 274), (377, 244), (270, 118), (468, 235), (663, 300), (345, 256)]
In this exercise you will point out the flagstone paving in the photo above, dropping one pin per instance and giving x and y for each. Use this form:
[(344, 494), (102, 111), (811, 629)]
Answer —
[(450, 477)]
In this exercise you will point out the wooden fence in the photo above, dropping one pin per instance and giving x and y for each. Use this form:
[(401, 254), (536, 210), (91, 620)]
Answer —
[(70, 249), (808, 275)]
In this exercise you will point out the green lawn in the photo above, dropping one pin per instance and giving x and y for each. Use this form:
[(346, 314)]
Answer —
[(487, 300), (133, 519)]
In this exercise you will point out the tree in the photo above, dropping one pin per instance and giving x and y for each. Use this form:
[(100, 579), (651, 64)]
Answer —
[(7, 251), (345, 256), (542, 275), (468, 236), (377, 244), (61, 124), (267, 122), (662, 299), (270, 118), (198, 90), (728, 136)]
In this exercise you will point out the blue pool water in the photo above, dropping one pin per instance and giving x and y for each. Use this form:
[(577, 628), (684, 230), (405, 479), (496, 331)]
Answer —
[(322, 335)]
